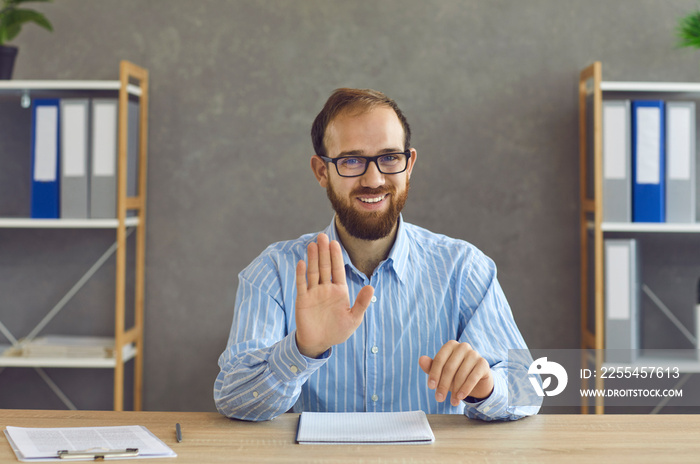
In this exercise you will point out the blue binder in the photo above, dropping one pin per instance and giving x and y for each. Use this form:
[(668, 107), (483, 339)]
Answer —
[(45, 159), (648, 161)]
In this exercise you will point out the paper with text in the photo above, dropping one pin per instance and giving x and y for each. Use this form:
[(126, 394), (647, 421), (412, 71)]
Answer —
[(43, 444)]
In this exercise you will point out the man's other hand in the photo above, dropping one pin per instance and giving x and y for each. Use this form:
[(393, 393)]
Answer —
[(459, 369)]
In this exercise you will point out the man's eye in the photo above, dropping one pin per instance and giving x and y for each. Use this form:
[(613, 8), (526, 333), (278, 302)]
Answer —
[(352, 162)]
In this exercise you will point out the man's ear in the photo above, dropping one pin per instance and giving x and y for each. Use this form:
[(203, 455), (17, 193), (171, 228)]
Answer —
[(412, 161), (320, 169)]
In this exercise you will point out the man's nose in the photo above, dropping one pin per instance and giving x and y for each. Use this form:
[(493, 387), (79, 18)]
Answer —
[(372, 178)]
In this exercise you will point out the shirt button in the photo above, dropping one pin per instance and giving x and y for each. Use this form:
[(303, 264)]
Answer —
[(375, 398), (255, 394), (487, 409), (374, 299), (375, 350), (294, 369)]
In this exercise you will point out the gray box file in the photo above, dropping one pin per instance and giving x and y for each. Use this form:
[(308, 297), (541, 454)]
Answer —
[(133, 139), (680, 162), (75, 155), (617, 161), (103, 171), (622, 300)]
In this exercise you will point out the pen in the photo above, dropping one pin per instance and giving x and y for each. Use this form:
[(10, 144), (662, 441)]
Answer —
[(178, 432), (98, 454)]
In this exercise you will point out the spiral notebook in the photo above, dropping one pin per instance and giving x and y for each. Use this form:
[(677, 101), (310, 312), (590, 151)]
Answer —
[(388, 428)]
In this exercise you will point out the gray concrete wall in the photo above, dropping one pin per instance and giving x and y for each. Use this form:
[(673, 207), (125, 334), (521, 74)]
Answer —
[(490, 88)]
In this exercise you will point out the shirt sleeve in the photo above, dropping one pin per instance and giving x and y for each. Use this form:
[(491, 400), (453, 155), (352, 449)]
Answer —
[(491, 330), (261, 369)]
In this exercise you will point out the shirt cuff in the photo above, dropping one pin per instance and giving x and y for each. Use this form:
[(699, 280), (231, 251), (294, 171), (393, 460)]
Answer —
[(288, 364), (493, 406)]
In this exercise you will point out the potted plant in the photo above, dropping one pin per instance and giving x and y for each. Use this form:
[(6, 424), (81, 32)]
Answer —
[(12, 18)]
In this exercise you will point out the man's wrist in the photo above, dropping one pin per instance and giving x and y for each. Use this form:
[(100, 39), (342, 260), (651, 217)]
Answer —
[(308, 352), (482, 390)]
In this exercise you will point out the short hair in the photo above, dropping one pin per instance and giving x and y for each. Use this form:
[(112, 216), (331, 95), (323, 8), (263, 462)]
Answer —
[(345, 99)]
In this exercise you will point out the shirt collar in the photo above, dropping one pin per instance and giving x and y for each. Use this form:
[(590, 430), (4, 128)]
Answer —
[(398, 256)]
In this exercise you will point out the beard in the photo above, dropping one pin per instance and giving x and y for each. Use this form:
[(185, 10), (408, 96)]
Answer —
[(371, 225)]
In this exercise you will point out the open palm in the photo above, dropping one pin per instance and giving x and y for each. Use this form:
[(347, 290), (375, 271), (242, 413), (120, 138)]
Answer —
[(324, 316)]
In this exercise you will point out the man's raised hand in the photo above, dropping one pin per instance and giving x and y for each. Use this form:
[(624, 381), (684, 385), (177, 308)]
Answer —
[(324, 316)]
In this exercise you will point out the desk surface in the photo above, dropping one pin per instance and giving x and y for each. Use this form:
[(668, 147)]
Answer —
[(210, 438)]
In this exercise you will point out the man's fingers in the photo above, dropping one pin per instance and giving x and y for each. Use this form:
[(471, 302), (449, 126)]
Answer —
[(448, 365), (459, 369), (425, 362), (448, 372), (324, 259), (312, 271), (479, 370), (462, 383), (325, 262), (364, 298), (301, 277), (435, 377), (337, 264)]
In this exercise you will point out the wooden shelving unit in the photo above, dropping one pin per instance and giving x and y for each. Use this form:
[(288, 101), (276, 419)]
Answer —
[(592, 227), (128, 341)]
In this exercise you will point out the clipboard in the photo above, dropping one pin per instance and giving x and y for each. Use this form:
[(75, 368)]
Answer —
[(40, 444)]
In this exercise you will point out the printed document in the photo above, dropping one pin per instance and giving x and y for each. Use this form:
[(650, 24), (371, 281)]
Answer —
[(43, 444)]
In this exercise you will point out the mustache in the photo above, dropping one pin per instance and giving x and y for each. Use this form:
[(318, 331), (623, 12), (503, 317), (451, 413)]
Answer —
[(373, 191)]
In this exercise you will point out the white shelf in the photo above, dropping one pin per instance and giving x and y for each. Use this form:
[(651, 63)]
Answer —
[(128, 353), (663, 227), (29, 85), (652, 227), (611, 86), (29, 223)]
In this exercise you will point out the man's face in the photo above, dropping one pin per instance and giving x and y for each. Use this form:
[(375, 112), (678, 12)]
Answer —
[(367, 206)]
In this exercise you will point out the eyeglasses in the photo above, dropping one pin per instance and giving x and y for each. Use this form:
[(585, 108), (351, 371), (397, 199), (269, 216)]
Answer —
[(355, 166)]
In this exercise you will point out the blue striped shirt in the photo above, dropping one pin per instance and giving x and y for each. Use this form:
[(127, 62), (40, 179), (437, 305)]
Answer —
[(430, 289)]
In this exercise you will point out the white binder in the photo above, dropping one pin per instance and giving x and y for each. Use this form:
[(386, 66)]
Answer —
[(617, 161), (680, 162), (622, 300), (103, 176), (75, 130)]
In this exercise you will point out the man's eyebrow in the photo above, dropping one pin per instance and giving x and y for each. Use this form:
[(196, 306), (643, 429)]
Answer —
[(363, 153)]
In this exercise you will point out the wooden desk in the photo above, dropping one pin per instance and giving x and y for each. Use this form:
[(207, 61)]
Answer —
[(211, 438)]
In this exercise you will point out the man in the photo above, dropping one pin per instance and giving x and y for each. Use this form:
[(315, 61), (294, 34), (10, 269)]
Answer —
[(428, 311)]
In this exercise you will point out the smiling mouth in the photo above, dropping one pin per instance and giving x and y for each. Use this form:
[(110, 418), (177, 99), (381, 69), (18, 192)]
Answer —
[(371, 200)]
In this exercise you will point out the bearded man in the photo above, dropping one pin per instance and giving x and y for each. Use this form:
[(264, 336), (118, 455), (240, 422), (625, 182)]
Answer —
[(428, 312)]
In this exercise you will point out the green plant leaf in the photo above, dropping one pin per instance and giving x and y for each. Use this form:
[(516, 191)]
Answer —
[(688, 31), (12, 19), (21, 16), (12, 31)]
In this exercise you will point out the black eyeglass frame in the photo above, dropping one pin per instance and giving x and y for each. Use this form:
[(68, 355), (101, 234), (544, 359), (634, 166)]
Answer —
[(369, 159)]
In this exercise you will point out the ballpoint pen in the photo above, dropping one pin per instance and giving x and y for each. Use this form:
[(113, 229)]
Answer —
[(98, 454)]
